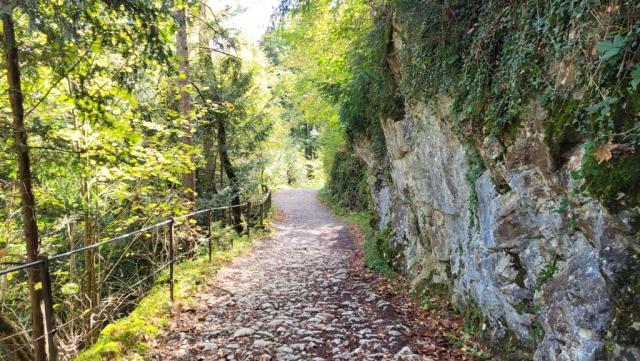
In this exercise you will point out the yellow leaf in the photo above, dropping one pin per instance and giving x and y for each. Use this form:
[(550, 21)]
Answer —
[(603, 153)]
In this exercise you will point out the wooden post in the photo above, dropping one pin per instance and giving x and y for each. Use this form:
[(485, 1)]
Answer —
[(269, 202), (47, 311), (261, 214), (248, 218), (209, 234), (171, 256)]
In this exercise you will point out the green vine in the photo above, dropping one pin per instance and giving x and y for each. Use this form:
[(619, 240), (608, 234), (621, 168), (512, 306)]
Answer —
[(578, 59)]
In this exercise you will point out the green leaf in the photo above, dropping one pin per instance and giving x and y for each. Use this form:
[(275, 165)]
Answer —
[(70, 289), (596, 107), (608, 49), (620, 41), (576, 175), (635, 77)]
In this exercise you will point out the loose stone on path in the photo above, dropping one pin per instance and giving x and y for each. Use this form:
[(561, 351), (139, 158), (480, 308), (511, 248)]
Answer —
[(290, 298)]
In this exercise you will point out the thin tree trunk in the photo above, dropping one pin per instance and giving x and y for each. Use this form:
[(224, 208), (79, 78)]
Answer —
[(184, 107), (231, 174), (73, 269), (308, 151), (89, 284), (210, 166), (29, 224), (212, 179), (221, 171), (88, 279)]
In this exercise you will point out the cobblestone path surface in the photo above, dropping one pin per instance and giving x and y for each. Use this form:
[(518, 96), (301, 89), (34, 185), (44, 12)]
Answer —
[(291, 298)]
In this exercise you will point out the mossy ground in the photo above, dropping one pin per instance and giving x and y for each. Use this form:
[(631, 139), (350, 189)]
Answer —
[(127, 338)]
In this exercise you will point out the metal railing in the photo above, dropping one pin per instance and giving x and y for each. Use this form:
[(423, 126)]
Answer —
[(253, 213)]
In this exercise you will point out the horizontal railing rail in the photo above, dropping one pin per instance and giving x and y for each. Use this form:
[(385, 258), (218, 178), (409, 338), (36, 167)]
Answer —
[(253, 213), (20, 267)]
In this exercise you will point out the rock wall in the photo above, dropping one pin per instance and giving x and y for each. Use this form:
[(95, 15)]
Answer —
[(543, 265)]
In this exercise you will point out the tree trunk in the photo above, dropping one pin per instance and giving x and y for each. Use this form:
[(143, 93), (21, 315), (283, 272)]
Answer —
[(184, 107), (88, 278), (210, 167), (29, 225), (73, 270), (308, 151), (221, 172), (89, 284), (231, 175)]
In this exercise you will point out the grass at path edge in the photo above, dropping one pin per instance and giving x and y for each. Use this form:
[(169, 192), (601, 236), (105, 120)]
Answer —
[(128, 337)]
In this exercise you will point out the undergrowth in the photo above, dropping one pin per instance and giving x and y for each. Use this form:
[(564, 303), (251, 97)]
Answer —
[(348, 186), (126, 339)]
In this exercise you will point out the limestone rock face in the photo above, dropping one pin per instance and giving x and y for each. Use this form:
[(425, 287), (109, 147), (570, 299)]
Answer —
[(515, 243)]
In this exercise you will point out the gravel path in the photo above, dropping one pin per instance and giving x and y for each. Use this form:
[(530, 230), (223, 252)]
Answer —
[(290, 298)]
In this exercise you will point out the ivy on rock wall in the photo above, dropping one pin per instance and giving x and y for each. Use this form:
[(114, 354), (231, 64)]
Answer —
[(349, 184), (371, 93), (578, 59)]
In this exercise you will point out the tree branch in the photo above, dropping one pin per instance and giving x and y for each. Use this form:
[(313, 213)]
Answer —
[(222, 52)]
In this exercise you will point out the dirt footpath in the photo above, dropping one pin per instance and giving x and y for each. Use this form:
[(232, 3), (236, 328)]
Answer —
[(295, 296)]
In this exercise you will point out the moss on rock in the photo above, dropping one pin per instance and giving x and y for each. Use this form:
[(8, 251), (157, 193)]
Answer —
[(615, 182), (626, 311), (560, 133)]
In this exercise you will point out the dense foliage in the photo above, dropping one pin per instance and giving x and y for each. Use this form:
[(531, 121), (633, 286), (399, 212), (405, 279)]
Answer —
[(493, 59), (310, 46), (106, 134), (578, 59)]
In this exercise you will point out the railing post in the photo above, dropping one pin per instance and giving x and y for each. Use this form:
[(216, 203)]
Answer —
[(171, 257), (209, 233), (261, 214), (248, 218), (269, 202), (47, 310)]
